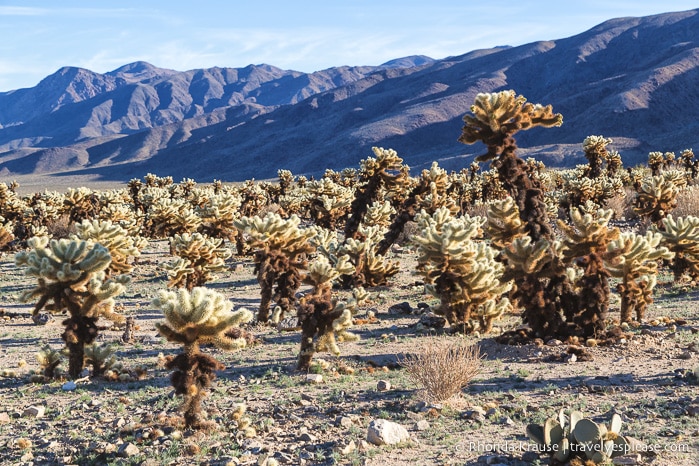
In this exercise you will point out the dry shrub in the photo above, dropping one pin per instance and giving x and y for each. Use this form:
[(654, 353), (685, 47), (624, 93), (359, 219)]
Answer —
[(622, 204), (442, 366), (61, 227), (687, 203)]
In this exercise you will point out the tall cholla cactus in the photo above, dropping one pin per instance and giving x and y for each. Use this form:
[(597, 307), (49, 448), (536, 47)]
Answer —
[(460, 271), (198, 258), (218, 215), (193, 319), (121, 246), (585, 243), (280, 254), (324, 321), (384, 172), (681, 237), (634, 259), (595, 148), (71, 275)]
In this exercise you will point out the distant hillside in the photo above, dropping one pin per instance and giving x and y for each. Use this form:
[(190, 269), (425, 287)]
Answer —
[(629, 79)]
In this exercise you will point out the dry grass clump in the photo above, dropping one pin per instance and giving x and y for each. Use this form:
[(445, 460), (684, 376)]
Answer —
[(687, 203), (442, 366)]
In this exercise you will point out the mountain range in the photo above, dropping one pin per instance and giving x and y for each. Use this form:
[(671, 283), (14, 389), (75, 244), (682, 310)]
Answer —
[(634, 80)]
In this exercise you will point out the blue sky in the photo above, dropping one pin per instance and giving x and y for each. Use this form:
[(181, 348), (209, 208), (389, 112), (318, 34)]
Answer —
[(37, 37)]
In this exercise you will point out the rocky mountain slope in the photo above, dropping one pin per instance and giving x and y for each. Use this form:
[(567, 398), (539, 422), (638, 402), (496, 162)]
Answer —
[(629, 79)]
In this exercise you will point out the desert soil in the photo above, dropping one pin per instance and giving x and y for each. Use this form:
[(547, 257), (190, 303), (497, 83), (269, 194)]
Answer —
[(643, 378)]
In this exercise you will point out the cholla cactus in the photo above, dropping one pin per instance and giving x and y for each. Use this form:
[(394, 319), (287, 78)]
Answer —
[(193, 319), (120, 244), (329, 202), (198, 258), (585, 241), (430, 193), (218, 214), (6, 236), (681, 237), (689, 163), (655, 162), (168, 217), (460, 271), (595, 148), (504, 224), (370, 268), (633, 258), (656, 197), (71, 276), (280, 254), (80, 204), (385, 172), (325, 321)]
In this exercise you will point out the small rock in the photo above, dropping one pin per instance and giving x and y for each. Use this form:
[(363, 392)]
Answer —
[(314, 378), (346, 449), (383, 432), (554, 342), (383, 385), (572, 358), (507, 421), (491, 412), (685, 355), (344, 421), (400, 308), (693, 410), (127, 450), (530, 456), (34, 411), (306, 437), (27, 457), (4, 418), (364, 446), (422, 425)]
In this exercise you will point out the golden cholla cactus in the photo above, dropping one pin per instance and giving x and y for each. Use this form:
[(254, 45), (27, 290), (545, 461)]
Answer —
[(371, 268), (656, 197), (81, 203), (193, 319), (324, 320), (585, 243), (460, 271), (120, 244), (6, 235), (330, 202), (634, 259), (595, 149), (587, 233), (689, 163), (378, 214), (681, 237), (218, 213), (655, 162), (199, 257), (504, 224), (499, 115), (168, 217), (71, 278), (430, 193), (124, 216), (280, 254), (385, 173)]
